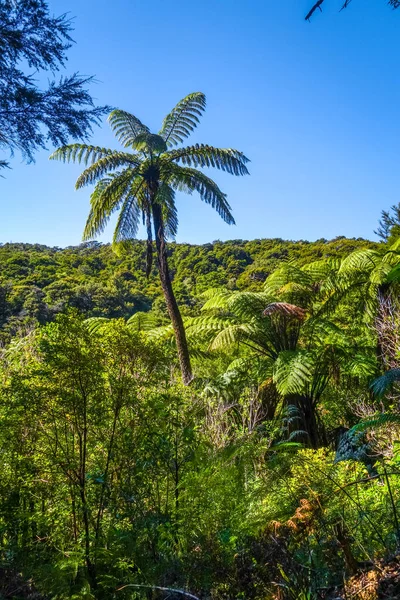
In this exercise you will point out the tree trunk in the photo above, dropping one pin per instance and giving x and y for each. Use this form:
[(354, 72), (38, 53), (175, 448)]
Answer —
[(307, 420), (172, 306)]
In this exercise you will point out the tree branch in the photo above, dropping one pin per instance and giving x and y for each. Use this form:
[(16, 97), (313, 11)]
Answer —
[(345, 5), (314, 8), (157, 587)]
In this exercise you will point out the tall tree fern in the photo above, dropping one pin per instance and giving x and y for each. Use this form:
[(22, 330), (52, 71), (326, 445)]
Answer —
[(287, 347), (140, 182)]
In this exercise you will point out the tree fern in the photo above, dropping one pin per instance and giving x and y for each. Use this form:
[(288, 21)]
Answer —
[(141, 185)]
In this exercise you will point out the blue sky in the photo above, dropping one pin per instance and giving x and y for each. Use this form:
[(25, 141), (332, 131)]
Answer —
[(315, 106)]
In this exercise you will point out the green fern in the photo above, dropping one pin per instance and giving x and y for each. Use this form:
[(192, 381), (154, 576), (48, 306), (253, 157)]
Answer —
[(381, 420), (382, 384), (293, 371)]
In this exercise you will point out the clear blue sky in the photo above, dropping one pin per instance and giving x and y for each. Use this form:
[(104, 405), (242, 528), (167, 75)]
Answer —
[(315, 106)]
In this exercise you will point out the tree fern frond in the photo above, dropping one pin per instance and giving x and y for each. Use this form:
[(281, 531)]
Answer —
[(360, 365), (107, 196), (99, 216), (165, 333), (201, 155), (381, 420), (292, 372), (286, 274), (183, 119), (230, 335), (247, 305), (285, 309), (126, 127), (149, 143), (319, 270), (128, 219), (189, 180), (166, 198), (321, 329), (395, 246), (104, 165), (380, 273), (217, 298), (394, 275), (359, 260), (96, 324), (382, 384), (80, 153), (142, 321), (200, 327)]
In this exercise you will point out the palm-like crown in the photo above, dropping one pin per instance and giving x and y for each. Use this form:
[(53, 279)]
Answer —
[(150, 170)]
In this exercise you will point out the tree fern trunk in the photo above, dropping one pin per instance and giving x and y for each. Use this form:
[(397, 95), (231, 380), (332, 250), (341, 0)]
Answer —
[(311, 431), (172, 306)]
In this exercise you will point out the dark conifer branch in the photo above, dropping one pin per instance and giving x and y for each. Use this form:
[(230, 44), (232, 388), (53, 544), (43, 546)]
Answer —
[(32, 117)]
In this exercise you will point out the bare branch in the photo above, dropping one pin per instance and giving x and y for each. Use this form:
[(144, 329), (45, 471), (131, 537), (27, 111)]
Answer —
[(157, 587), (314, 8), (392, 3)]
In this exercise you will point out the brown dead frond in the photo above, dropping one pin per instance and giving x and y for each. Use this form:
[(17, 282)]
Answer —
[(285, 309)]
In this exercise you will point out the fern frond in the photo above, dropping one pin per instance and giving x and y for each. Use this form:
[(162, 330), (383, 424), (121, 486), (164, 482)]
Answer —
[(360, 365), (395, 247), (381, 420), (142, 321), (99, 215), (359, 260), (166, 198), (394, 275), (245, 305), (165, 333), (287, 274), (285, 309), (80, 153), (128, 220), (104, 165), (149, 143), (380, 273), (321, 328), (319, 270), (201, 155), (183, 119), (230, 335), (292, 372), (107, 196), (126, 127), (217, 298), (189, 180), (382, 384), (96, 324), (205, 327)]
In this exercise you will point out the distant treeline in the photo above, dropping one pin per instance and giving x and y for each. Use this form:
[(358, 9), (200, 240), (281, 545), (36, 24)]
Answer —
[(37, 282)]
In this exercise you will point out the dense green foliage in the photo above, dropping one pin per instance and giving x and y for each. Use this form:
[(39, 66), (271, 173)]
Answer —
[(37, 282), (271, 471), (271, 475)]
